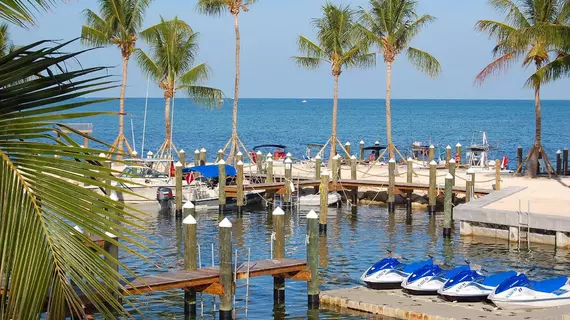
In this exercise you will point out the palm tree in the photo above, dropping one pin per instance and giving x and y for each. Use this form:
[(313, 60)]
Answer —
[(42, 195), (525, 35), (216, 8), (340, 45), (6, 45), (391, 25), (174, 47), (118, 25)]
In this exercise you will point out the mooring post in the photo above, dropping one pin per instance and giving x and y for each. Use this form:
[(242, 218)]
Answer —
[(324, 193), (189, 257), (361, 150), (347, 148), (313, 259), (519, 157), (335, 169), (149, 155), (318, 165), (288, 182), (432, 186), (178, 177), (113, 250), (431, 154), (468, 188), (203, 156), (447, 155), (458, 153), (452, 169), (107, 164), (447, 206), (354, 200), (259, 162), (239, 156), (279, 253), (409, 176), (239, 182), (222, 186), (391, 185), (181, 157), (220, 155), (196, 157), (497, 174), (558, 162), (269, 179), (471, 172), (565, 161), (226, 278)]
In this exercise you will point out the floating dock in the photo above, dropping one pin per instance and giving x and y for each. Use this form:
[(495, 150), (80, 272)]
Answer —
[(399, 305)]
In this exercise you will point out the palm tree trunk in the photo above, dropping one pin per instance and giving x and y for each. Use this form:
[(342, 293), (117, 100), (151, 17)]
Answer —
[(234, 143), (121, 137), (389, 109), (167, 124), (533, 168), (334, 119)]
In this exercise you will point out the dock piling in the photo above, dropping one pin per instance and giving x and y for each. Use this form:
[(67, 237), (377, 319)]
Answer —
[(361, 150), (431, 154), (226, 278), (447, 155), (468, 188), (391, 185), (181, 157), (519, 156), (113, 250), (324, 193), (432, 185), (269, 179), (409, 176), (452, 169), (565, 161), (448, 206), (335, 169), (196, 157), (347, 147), (279, 253), (189, 257), (497, 174), (202, 156), (239, 156), (220, 155), (354, 192), (288, 182), (313, 260), (222, 186), (239, 182), (558, 162), (178, 178), (259, 162), (458, 153), (471, 172), (318, 165)]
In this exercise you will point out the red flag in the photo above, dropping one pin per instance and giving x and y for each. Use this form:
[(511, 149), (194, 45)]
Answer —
[(172, 170), (189, 178)]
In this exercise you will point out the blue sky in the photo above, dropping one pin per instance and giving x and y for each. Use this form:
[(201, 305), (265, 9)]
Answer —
[(269, 31)]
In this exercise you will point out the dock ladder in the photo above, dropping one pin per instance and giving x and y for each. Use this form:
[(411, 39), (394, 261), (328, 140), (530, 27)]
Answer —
[(524, 223)]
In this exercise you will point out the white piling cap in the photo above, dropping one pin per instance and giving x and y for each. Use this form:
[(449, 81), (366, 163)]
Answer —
[(81, 146), (431, 146), (189, 219), (361, 142), (181, 151), (448, 176), (188, 205), (347, 143), (196, 151), (377, 142), (392, 160), (269, 155), (239, 163), (110, 235), (451, 160), (102, 155), (448, 147), (278, 212), (203, 150), (458, 144), (336, 157), (325, 172), (312, 215), (149, 153), (178, 164), (225, 223), (410, 159), (220, 151), (258, 153), (221, 161), (239, 153), (470, 170), (114, 196), (135, 153), (78, 228), (288, 154), (318, 156), (269, 159), (433, 163), (558, 152), (353, 157), (288, 160)]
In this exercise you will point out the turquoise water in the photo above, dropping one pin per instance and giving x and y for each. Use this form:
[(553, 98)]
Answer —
[(293, 123)]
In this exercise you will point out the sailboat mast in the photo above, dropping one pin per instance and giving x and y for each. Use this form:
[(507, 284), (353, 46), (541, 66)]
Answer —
[(144, 121)]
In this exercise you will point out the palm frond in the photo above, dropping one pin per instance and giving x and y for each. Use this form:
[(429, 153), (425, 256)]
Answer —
[(357, 57), (205, 96), (213, 7), (424, 62), (22, 12), (148, 66), (498, 66), (499, 30), (310, 48), (551, 72), (514, 14), (193, 76), (94, 37), (307, 62), (42, 198)]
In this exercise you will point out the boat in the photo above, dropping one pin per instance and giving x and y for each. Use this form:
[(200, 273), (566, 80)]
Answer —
[(478, 153), (472, 285), (304, 101), (311, 200), (375, 151), (278, 151), (389, 273), (430, 278), (518, 292)]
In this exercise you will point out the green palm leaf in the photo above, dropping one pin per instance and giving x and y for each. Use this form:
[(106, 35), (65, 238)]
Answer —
[(42, 198), (424, 62)]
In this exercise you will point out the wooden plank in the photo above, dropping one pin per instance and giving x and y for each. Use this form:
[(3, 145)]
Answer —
[(216, 289), (303, 275), (271, 267)]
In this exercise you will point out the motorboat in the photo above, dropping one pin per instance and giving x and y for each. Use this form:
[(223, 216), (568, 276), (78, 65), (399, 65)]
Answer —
[(315, 199), (430, 278), (472, 285), (278, 151), (389, 273), (518, 292), (375, 151)]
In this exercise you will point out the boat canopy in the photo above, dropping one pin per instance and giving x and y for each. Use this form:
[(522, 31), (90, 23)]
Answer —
[(280, 146), (210, 171), (376, 147)]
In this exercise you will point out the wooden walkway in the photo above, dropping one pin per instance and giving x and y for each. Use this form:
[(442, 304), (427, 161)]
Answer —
[(231, 191)]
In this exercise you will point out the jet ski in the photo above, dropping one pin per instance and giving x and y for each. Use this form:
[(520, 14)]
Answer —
[(472, 286), (519, 292), (389, 273), (430, 278)]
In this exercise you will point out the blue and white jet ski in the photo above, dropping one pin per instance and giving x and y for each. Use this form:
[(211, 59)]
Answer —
[(472, 285), (519, 292), (430, 278), (389, 273)]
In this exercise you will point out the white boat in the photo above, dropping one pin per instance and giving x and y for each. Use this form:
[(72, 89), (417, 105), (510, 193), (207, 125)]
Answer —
[(315, 199), (389, 273), (519, 292), (472, 285), (429, 279)]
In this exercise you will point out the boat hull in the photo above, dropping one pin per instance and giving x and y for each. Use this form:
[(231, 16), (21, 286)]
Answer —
[(314, 200)]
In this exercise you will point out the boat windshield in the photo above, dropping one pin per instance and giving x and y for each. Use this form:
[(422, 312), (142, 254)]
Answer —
[(141, 172)]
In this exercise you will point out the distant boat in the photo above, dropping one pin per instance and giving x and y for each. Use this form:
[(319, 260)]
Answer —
[(304, 101)]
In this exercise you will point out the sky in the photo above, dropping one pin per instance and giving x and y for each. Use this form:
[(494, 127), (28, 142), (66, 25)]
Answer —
[(269, 32)]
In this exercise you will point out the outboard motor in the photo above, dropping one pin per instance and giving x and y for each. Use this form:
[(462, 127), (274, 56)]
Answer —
[(164, 196)]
